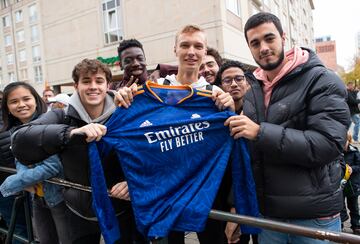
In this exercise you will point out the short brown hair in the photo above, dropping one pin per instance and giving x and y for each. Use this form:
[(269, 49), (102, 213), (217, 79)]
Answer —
[(90, 66), (189, 29)]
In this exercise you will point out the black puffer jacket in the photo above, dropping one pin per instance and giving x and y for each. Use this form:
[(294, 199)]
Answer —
[(6, 157), (352, 158), (353, 102), (50, 135), (302, 134)]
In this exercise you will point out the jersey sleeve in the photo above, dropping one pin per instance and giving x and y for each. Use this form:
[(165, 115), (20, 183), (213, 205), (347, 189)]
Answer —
[(243, 185), (101, 202)]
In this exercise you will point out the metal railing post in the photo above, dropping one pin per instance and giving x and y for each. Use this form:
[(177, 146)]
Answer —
[(17, 203)]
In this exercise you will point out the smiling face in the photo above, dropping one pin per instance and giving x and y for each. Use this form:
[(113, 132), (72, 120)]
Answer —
[(266, 45), (21, 104), (92, 90), (190, 49), (133, 61), (209, 69)]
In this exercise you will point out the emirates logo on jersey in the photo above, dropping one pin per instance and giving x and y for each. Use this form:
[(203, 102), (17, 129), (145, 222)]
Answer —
[(145, 123)]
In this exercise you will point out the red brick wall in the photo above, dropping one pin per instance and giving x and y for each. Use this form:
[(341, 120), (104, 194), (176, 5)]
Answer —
[(327, 53)]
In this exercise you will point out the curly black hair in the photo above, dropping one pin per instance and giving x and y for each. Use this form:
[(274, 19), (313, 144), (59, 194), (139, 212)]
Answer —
[(125, 44)]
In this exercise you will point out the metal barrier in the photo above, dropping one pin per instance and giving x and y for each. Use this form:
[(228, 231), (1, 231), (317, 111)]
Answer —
[(339, 237), (20, 201)]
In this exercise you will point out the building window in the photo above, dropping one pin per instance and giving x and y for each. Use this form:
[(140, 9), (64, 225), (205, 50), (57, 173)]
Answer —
[(234, 6), (5, 3), (18, 16), (10, 59), (7, 40), (34, 33), (38, 77), (6, 21), (22, 55), (325, 49), (112, 21), (23, 74), (11, 76), (36, 53), (20, 36), (32, 13)]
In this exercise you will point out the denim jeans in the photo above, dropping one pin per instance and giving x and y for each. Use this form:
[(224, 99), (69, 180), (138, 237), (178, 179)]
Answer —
[(52, 224), (356, 120), (272, 237)]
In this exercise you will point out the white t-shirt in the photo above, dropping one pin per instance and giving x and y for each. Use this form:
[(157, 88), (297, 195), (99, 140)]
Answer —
[(200, 84)]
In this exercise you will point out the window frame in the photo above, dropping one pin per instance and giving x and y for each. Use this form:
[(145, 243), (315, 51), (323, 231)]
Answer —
[(231, 5), (38, 74), (117, 30), (17, 18)]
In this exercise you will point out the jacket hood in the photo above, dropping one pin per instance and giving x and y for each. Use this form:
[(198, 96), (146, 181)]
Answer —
[(311, 63), (109, 108)]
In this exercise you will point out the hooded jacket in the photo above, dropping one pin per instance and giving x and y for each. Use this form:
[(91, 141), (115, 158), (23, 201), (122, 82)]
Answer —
[(50, 135), (302, 134)]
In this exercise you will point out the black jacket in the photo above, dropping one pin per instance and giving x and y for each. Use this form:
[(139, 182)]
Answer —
[(6, 157), (353, 102), (49, 135), (302, 134), (352, 158)]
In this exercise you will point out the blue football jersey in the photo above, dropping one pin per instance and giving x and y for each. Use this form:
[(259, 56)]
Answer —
[(173, 148)]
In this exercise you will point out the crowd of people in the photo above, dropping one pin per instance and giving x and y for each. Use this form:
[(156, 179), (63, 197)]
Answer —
[(291, 110)]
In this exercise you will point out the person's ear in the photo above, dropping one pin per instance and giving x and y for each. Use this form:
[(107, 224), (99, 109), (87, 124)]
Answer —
[(283, 39), (120, 64), (175, 50)]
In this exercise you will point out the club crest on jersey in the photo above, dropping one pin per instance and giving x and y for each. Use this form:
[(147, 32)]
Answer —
[(145, 123)]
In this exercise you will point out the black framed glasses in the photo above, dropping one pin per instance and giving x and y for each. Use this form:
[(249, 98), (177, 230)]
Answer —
[(239, 79)]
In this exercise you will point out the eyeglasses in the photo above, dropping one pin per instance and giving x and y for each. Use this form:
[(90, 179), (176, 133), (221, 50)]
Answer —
[(239, 79)]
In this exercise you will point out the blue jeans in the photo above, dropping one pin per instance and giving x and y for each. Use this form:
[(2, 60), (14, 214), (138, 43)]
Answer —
[(272, 237), (356, 120)]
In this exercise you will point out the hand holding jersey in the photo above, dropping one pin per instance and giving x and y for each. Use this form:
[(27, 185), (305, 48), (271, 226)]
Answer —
[(121, 191), (223, 100), (125, 95), (92, 131), (242, 126)]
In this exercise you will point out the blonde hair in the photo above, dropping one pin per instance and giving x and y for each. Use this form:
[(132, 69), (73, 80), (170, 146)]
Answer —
[(189, 29)]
